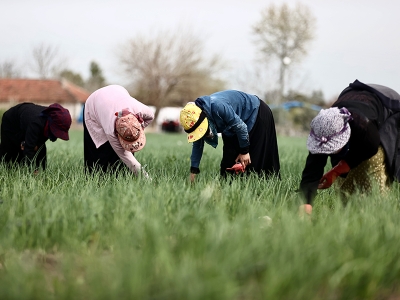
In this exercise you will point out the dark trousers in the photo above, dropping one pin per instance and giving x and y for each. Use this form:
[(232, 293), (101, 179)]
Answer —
[(263, 146), (103, 158)]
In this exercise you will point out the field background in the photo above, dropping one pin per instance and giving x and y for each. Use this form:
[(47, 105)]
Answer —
[(65, 235)]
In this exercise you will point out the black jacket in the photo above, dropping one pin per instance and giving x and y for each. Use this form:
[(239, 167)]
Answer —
[(376, 115), (24, 123)]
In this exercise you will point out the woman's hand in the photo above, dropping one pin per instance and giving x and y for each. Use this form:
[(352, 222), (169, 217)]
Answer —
[(23, 147), (192, 177), (244, 159), (305, 211)]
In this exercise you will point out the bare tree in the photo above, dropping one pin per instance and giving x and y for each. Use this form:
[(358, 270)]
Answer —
[(169, 68), (8, 69), (283, 35), (254, 77), (46, 61)]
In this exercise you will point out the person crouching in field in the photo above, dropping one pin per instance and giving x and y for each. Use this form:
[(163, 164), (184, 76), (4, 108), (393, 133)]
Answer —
[(247, 127), (360, 135), (114, 125), (26, 127)]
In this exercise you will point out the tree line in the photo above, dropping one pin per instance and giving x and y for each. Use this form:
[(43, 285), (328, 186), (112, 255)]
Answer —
[(170, 68)]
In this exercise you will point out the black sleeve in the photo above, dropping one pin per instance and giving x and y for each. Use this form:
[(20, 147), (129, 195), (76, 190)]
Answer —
[(194, 170), (244, 150), (312, 173)]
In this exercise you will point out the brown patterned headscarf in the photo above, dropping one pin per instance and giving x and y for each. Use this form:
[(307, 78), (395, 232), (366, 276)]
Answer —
[(129, 131)]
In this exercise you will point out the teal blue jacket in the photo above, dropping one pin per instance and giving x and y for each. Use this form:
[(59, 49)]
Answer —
[(229, 112)]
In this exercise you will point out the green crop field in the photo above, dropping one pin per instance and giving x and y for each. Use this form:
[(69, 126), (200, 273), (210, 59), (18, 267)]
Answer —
[(66, 235)]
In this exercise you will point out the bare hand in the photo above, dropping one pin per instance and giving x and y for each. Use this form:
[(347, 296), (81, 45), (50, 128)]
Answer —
[(146, 175), (192, 177), (23, 147), (244, 159), (305, 212), (305, 209)]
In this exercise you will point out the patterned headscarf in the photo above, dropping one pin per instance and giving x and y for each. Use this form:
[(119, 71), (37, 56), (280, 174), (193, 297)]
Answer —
[(129, 130), (330, 131)]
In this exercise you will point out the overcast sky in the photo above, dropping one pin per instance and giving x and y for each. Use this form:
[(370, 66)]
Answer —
[(355, 39)]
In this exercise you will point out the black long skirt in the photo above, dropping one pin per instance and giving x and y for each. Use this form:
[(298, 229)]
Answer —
[(103, 158), (263, 146)]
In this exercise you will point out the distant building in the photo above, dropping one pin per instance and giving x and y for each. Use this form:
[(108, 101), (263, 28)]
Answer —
[(43, 92)]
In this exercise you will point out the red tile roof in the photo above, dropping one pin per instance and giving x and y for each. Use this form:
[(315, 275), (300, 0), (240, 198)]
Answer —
[(41, 91)]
